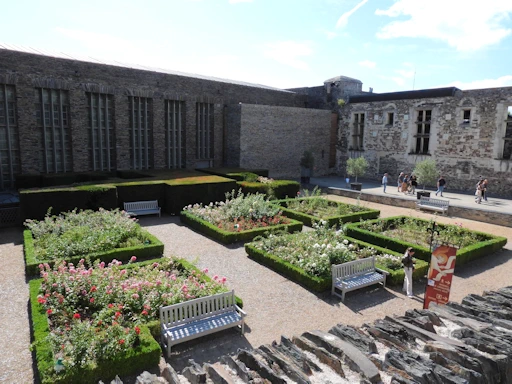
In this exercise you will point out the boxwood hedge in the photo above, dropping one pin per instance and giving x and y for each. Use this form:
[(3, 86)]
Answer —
[(227, 237), (484, 248), (155, 248), (308, 220)]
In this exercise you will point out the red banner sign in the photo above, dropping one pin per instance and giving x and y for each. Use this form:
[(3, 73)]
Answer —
[(439, 276)]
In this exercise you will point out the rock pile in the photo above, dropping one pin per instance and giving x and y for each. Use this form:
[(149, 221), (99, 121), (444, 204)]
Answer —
[(470, 342)]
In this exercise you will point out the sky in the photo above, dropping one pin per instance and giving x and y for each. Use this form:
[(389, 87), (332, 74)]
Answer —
[(390, 45)]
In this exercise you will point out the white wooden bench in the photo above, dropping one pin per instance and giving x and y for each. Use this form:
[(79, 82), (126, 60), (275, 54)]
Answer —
[(433, 204), (199, 317), (135, 208), (356, 274)]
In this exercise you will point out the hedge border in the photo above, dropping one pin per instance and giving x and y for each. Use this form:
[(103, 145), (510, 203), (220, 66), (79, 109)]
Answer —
[(464, 255), (154, 249), (319, 284), (332, 220), (227, 237), (135, 362), (282, 189)]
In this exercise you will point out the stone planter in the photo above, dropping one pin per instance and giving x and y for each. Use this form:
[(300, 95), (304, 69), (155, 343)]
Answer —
[(356, 186), (422, 193)]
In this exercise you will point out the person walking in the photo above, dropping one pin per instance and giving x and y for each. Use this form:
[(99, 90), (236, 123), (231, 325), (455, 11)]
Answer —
[(441, 182), (414, 184), (479, 192), (408, 263), (405, 185), (484, 189), (400, 181), (384, 182)]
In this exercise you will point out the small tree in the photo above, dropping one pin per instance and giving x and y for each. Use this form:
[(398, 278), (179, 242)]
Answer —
[(426, 171), (357, 166)]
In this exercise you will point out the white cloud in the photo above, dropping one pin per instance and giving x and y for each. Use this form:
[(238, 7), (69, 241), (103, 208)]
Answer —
[(239, 1), (503, 81), (343, 20), (289, 53), (368, 64), (462, 24)]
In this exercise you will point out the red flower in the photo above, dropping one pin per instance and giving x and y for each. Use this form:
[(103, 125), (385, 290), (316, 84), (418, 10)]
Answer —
[(41, 300), (144, 313), (91, 299), (121, 341), (117, 314), (93, 288), (76, 316), (110, 305), (49, 311), (137, 330)]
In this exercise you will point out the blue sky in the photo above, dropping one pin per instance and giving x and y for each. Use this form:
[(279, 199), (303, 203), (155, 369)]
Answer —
[(390, 45)]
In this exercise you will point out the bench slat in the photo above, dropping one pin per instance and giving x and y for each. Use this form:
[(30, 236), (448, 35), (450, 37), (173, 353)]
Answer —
[(142, 207)]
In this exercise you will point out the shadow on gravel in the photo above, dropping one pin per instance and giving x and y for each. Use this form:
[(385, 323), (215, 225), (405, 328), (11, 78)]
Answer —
[(481, 265), (363, 298), (208, 349), (12, 235)]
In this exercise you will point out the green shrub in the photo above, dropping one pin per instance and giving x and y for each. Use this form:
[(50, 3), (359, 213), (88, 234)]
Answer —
[(277, 189)]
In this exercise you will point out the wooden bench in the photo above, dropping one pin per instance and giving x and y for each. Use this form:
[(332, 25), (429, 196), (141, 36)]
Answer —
[(199, 317), (433, 204), (135, 208), (356, 274)]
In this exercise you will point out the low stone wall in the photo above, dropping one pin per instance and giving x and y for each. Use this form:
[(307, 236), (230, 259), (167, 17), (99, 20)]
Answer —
[(456, 343), (476, 213)]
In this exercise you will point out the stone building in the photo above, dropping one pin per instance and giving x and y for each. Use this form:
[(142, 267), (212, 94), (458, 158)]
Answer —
[(61, 114), (468, 133)]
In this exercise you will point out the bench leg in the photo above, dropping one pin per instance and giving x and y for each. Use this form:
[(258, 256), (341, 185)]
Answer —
[(343, 296)]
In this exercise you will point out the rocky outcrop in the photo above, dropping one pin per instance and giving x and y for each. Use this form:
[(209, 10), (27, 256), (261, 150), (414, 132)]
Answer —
[(466, 343)]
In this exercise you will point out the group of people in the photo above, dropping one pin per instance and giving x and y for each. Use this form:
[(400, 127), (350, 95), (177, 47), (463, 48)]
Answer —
[(406, 184), (481, 190)]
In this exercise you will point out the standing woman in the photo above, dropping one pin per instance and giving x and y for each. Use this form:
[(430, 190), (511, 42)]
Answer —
[(408, 263)]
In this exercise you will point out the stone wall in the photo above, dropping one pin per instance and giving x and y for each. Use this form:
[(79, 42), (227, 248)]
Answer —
[(275, 138), (463, 150), (26, 70)]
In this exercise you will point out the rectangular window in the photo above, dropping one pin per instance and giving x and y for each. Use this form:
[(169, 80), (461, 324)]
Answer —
[(358, 132), (391, 118), (9, 137), (141, 132), (52, 116), (423, 131), (175, 133), (507, 144), (466, 116), (100, 108), (204, 134)]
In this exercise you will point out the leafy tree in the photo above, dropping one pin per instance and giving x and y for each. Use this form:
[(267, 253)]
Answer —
[(357, 166), (426, 171)]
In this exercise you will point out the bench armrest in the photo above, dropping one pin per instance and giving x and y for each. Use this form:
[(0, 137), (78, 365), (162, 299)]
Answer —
[(241, 311), (382, 271)]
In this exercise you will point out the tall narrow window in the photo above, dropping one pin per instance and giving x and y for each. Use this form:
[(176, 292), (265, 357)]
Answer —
[(507, 140), (9, 137), (141, 132), (466, 116), (175, 133), (204, 134), (391, 118), (100, 108), (423, 131), (358, 132), (52, 116)]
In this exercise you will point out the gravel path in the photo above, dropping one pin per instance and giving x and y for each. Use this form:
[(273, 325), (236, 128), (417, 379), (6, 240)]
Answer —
[(275, 306)]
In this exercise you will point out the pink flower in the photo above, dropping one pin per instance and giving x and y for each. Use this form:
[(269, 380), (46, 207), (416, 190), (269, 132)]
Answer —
[(144, 313), (133, 259), (49, 311), (137, 330), (121, 341), (91, 300), (135, 296), (215, 277), (102, 265), (205, 270)]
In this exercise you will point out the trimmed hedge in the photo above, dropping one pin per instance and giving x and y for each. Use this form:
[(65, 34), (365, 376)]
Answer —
[(227, 237), (34, 203), (319, 284), (483, 248), (155, 248), (281, 189), (308, 220), (143, 357), (234, 173)]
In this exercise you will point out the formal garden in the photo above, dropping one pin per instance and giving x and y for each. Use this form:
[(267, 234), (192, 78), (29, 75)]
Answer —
[(95, 307)]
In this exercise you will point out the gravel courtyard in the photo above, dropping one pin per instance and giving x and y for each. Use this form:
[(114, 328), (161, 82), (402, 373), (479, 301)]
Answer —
[(275, 306)]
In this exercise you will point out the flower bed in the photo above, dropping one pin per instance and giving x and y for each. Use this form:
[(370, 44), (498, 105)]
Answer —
[(400, 232), (103, 235), (97, 319), (239, 218), (307, 257), (312, 209)]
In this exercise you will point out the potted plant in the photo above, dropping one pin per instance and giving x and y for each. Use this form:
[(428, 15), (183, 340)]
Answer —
[(307, 162), (356, 167), (426, 172)]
